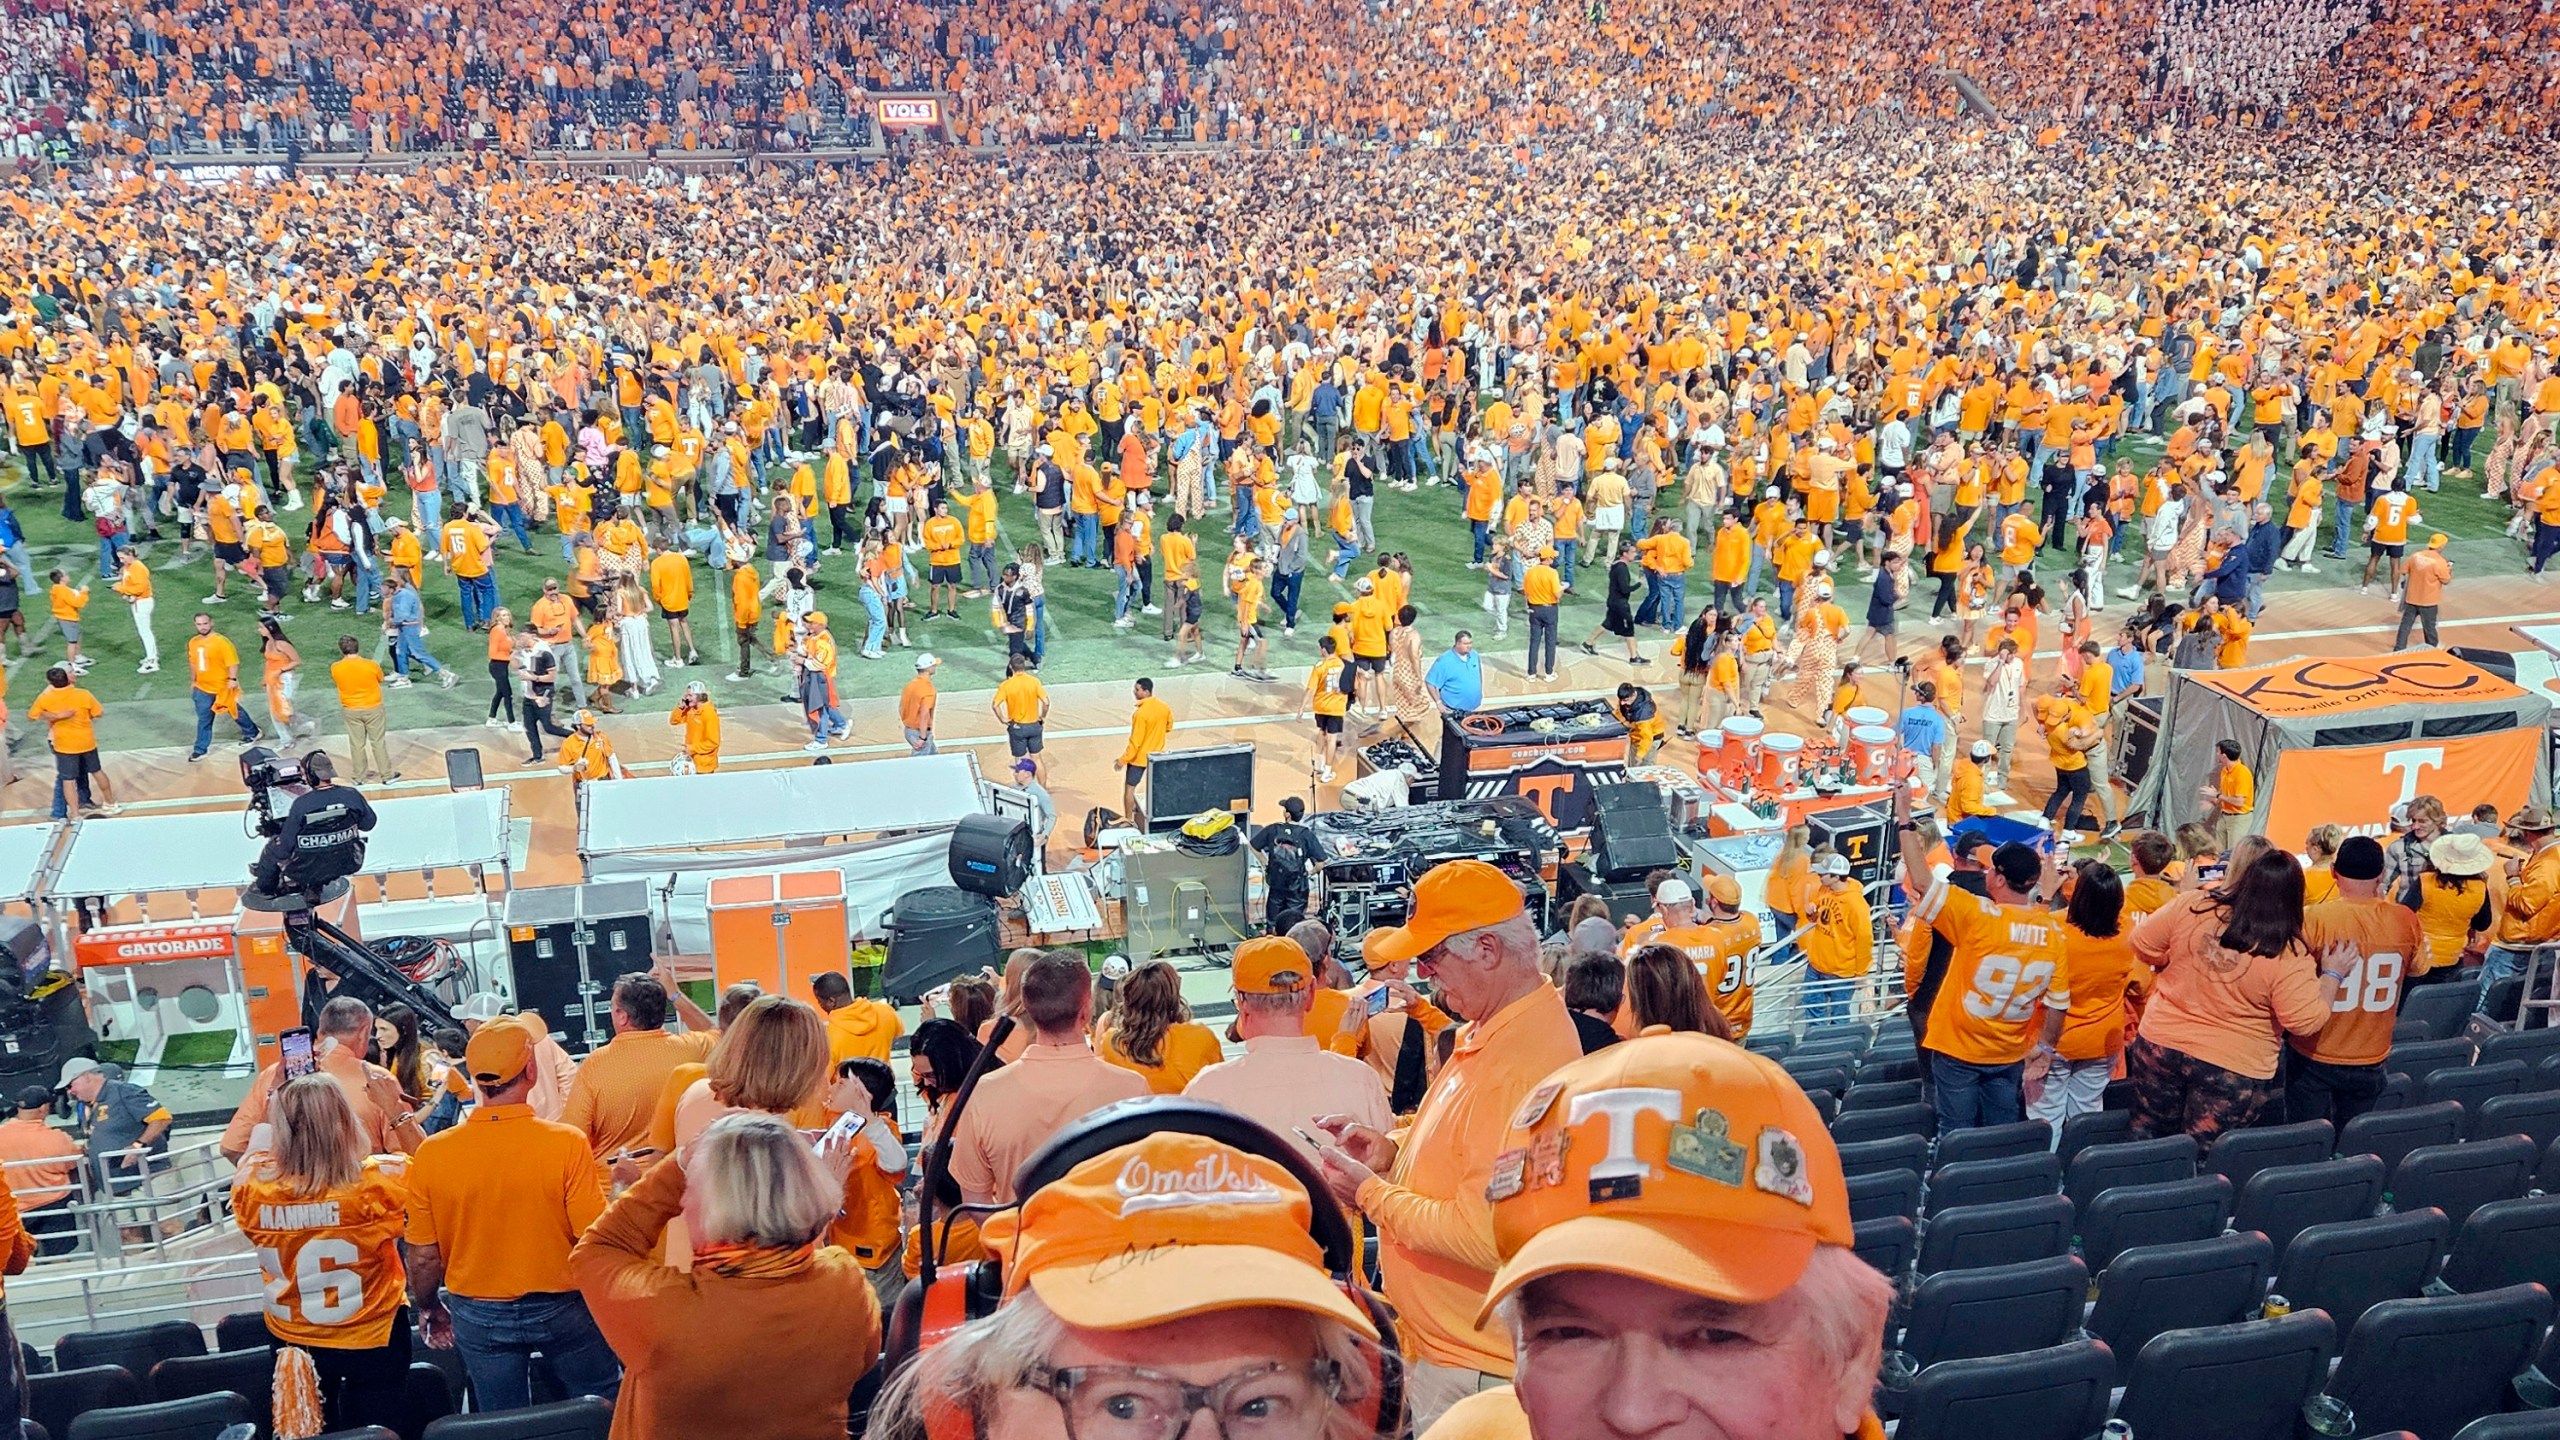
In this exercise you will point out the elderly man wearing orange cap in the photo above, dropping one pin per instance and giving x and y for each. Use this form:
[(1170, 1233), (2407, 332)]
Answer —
[(1424, 1186), (1285, 1078), (1151, 1282), (1668, 1188)]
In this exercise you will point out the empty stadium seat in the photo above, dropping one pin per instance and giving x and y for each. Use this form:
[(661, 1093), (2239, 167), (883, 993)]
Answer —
[(2467, 1086), (2437, 1012), (197, 1417), (2530, 1046), (2175, 1211), (1995, 1142), (2392, 1134), (1884, 1194), (2432, 1365), (1894, 1152), (245, 1330), (53, 1400), (2101, 1127), (136, 1349), (2129, 1162), (1819, 1076), (2055, 1394), (2534, 1115), (1776, 1044), (2425, 1057), (2228, 1382), (1890, 1245), (250, 1373), (2348, 1267), (1999, 1310), (2282, 1200), (1882, 1124), (2007, 1234), (1872, 1095), (1880, 1067), (585, 1418), (2458, 1179), (2239, 1154), (1825, 1104), (1846, 1040), (1989, 1182), (2501, 1002), (2505, 1242), (2178, 1287)]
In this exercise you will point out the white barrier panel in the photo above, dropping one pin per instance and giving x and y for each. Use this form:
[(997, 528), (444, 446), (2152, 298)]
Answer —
[(23, 851), (135, 854), (748, 807)]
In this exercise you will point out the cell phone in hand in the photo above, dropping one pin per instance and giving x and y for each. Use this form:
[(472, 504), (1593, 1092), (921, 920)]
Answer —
[(1314, 1140), (293, 1048), (1378, 999)]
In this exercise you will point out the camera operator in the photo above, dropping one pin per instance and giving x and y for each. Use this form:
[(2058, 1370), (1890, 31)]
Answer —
[(322, 836)]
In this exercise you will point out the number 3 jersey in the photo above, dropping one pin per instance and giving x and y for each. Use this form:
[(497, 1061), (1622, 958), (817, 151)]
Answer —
[(2007, 968), (332, 1260), (2387, 940)]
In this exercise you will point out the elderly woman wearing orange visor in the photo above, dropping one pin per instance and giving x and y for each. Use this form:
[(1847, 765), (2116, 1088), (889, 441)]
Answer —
[(1165, 1288)]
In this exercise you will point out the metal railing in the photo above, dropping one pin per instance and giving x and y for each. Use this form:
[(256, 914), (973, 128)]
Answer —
[(182, 1193)]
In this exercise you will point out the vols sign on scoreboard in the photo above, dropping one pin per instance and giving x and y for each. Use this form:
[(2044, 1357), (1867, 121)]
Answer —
[(907, 112)]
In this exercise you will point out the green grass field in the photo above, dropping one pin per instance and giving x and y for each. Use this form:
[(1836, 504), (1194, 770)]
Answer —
[(155, 709)]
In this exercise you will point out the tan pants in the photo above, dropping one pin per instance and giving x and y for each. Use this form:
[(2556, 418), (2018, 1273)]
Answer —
[(1429, 1390), (368, 747)]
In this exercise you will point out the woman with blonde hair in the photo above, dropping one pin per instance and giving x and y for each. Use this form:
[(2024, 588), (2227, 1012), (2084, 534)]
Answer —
[(1150, 1031), (326, 1220), (762, 1297), (771, 1060), (2319, 854), (1790, 881)]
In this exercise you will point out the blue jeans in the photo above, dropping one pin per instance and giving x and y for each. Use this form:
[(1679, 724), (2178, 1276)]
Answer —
[(368, 586), (876, 610), (479, 598), (1566, 552), (1968, 1095), (1348, 550), (499, 1338), (512, 517), (1039, 627), (2501, 962), (2342, 526), (408, 646), (430, 514), (1483, 530), (1675, 599), (204, 722), (1827, 997), (1085, 544), (2422, 468), (111, 549)]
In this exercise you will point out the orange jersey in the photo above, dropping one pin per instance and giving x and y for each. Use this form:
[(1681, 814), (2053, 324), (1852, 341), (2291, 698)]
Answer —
[(2390, 949), (331, 1261), (2008, 962), (1722, 950)]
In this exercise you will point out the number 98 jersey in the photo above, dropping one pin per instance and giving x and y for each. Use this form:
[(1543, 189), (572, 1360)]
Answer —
[(2382, 941), (331, 1260)]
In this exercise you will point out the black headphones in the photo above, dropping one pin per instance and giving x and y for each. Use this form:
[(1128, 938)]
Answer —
[(930, 1310)]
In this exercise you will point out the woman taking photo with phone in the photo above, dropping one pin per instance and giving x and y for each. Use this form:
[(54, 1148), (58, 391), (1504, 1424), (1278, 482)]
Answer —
[(326, 1220)]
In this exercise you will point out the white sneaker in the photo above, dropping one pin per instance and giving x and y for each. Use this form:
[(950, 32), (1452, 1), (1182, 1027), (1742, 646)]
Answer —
[(339, 604), (1150, 609), (2072, 837), (873, 654), (147, 667), (494, 723), (448, 680), (2306, 568), (816, 747), (293, 501), (399, 682), (1123, 623)]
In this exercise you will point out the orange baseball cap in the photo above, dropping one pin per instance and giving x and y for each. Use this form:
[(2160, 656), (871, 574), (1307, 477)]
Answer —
[(1725, 891), (499, 1052), (1451, 899), (1171, 1226), (1675, 1158), (1271, 965)]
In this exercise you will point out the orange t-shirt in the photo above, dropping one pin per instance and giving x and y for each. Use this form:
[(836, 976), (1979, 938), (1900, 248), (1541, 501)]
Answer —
[(2223, 1007)]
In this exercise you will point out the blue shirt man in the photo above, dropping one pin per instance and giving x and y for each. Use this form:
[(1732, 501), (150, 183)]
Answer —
[(1923, 727), (2124, 668), (1457, 677)]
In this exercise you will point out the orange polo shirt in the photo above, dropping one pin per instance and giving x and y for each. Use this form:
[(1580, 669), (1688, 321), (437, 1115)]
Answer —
[(1435, 1228), (615, 1094), (505, 1195)]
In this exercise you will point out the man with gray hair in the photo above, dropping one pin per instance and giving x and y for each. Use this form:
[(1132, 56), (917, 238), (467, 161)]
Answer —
[(1426, 1187), (338, 1041), (1286, 1077)]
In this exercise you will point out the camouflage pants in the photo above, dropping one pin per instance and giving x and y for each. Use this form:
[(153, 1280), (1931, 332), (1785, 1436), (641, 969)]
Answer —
[(2175, 1093)]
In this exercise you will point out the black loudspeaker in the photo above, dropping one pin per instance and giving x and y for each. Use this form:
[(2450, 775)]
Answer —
[(936, 935), (2140, 735), (1630, 832), (991, 854), (1864, 833), (1626, 899), (568, 944)]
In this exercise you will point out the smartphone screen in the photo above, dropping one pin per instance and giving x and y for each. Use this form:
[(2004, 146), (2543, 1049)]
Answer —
[(295, 1046), (1378, 1001)]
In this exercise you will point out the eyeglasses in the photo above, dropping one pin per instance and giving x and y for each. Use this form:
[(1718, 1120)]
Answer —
[(1266, 1402)]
